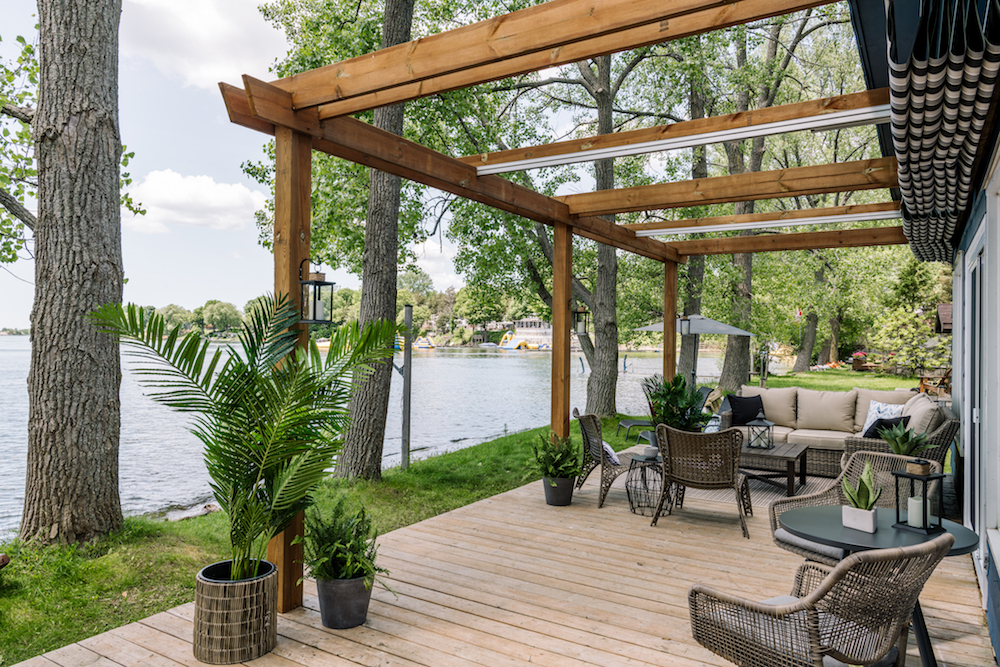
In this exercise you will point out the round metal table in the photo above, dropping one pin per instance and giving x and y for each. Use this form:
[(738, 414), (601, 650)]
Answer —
[(823, 524)]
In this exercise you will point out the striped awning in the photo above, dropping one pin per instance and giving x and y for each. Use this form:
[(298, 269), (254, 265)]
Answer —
[(940, 96)]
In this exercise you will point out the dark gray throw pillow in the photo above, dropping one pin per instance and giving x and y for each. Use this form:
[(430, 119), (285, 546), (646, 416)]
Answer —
[(882, 422), (745, 409)]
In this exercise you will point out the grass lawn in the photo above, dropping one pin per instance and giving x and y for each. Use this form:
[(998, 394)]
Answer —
[(841, 379)]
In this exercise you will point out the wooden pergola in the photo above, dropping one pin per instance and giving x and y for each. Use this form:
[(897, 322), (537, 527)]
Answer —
[(309, 111)]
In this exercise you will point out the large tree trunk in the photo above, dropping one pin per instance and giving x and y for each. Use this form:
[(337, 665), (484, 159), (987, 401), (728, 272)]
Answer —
[(736, 365), (362, 455), (603, 381), (71, 490), (804, 357), (695, 270)]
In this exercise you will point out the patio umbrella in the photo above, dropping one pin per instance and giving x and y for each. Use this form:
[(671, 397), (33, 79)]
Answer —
[(700, 325)]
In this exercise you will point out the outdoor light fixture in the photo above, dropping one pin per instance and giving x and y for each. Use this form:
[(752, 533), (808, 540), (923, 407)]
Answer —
[(317, 297), (761, 432), (787, 222), (684, 325), (918, 516), (581, 318)]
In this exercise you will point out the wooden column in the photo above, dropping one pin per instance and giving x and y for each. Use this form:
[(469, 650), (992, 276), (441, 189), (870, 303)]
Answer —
[(562, 285), (292, 214), (669, 319)]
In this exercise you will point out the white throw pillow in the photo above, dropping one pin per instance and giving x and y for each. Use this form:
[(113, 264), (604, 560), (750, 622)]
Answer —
[(610, 453), (879, 410)]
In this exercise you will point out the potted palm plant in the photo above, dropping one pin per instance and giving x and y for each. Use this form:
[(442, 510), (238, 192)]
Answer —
[(270, 415), (558, 462), (861, 513), (339, 549)]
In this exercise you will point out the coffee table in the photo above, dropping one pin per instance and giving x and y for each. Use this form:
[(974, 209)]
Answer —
[(782, 451), (823, 524)]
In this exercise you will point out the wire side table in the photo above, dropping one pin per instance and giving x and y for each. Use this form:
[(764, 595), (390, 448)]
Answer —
[(643, 485)]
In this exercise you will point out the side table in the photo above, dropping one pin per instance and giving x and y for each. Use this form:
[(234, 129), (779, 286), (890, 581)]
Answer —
[(643, 484)]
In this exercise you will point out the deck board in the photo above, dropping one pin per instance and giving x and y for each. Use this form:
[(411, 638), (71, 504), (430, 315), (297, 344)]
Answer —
[(509, 581)]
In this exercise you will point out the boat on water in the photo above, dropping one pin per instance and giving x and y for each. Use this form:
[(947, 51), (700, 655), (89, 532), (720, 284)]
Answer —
[(511, 342)]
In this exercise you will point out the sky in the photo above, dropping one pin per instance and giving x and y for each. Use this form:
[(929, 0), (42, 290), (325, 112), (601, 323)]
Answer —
[(198, 240)]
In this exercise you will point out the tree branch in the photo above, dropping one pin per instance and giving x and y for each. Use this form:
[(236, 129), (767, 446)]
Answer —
[(23, 114), (537, 84), (9, 202), (632, 64)]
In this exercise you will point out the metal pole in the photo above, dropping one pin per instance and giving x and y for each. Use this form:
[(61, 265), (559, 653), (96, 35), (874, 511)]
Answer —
[(407, 381)]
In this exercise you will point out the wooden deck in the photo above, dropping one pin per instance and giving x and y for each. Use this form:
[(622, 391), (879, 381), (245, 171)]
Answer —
[(509, 581)]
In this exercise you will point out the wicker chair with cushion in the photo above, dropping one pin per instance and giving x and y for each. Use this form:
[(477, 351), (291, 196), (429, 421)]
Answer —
[(596, 453), (882, 466), (855, 613), (701, 461), (940, 442)]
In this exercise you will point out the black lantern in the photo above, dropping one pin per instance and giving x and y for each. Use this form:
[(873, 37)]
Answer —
[(918, 516), (761, 432), (317, 297), (581, 318), (684, 325)]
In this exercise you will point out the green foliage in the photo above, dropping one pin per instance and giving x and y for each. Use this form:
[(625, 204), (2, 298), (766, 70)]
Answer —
[(221, 316), (865, 495), (18, 173), (555, 457), (271, 415), (340, 544), (479, 304), (175, 316), (904, 441), (672, 404), (906, 342)]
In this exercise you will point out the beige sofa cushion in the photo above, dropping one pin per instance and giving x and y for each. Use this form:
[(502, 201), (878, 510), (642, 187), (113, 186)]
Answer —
[(779, 404), (779, 434), (925, 415), (866, 396), (826, 410), (819, 439)]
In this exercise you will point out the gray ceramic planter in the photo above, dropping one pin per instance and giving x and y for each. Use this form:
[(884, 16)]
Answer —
[(343, 603), (560, 494)]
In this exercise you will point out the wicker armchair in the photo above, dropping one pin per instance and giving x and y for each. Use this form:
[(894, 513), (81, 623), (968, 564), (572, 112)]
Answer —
[(594, 455), (882, 466), (856, 612), (940, 442), (701, 461)]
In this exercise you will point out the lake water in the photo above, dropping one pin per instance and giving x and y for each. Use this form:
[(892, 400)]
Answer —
[(461, 397)]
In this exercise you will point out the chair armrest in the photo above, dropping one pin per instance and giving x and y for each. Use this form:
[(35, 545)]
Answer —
[(725, 420), (829, 496), (808, 577)]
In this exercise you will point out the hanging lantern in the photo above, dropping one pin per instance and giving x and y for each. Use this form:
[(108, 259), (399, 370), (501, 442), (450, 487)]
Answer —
[(761, 432), (317, 297), (581, 318), (684, 325), (918, 503)]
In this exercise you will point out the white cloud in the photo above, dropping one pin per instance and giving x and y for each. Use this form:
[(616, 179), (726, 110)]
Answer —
[(197, 201), (201, 42), (439, 263)]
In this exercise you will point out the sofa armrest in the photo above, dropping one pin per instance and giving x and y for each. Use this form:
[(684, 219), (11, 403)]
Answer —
[(725, 420)]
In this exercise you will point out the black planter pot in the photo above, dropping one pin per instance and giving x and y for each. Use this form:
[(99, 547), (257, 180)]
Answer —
[(561, 493), (343, 603), (235, 621)]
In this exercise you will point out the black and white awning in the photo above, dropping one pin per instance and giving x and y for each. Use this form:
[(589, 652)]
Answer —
[(940, 96)]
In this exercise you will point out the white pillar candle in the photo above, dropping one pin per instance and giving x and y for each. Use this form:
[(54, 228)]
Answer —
[(915, 512)]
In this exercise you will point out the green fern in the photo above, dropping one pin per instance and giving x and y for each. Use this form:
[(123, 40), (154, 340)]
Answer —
[(556, 458), (341, 544)]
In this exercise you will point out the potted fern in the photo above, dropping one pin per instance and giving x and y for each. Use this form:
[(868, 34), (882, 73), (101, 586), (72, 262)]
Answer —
[(558, 462), (905, 442), (271, 416), (861, 513), (672, 404), (340, 551)]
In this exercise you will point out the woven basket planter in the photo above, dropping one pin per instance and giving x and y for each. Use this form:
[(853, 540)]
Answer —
[(235, 621)]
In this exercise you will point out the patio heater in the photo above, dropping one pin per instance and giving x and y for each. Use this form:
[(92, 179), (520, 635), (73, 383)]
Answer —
[(317, 297), (761, 432)]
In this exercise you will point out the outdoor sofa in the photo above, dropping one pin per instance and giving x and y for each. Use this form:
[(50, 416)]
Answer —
[(832, 422)]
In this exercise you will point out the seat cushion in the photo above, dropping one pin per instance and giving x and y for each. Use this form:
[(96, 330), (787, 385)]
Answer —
[(826, 410), (779, 404), (866, 396), (783, 535), (819, 439)]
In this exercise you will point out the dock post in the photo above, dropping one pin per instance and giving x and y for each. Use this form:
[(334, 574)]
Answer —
[(407, 382)]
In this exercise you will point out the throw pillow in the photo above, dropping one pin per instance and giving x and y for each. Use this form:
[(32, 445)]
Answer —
[(745, 409), (873, 430), (610, 453), (878, 410), (925, 415)]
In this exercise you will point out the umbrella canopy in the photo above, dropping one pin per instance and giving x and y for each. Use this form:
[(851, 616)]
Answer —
[(701, 325)]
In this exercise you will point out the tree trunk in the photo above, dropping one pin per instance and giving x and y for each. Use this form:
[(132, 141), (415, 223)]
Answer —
[(736, 365), (71, 490), (362, 455), (824, 352), (804, 356), (695, 273), (603, 381)]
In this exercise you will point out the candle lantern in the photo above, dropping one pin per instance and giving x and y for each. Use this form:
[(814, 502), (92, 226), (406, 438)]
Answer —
[(917, 502), (761, 432), (581, 318), (317, 297), (684, 325)]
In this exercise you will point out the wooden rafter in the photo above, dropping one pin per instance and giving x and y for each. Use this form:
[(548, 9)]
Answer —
[(702, 126), (847, 238), (262, 106), (797, 181), (762, 219), (554, 33)]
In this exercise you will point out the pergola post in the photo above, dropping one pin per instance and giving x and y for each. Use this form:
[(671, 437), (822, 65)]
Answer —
[(292, 215), (562, 285), (669, 319)]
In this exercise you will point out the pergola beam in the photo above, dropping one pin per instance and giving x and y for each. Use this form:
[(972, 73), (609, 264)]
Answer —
[(815, 216), (856, 108), (847, 238), (455, 59), (262, 106), (794, 182)]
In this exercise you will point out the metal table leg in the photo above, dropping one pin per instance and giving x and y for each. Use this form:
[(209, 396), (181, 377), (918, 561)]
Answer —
[(923, 641)]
